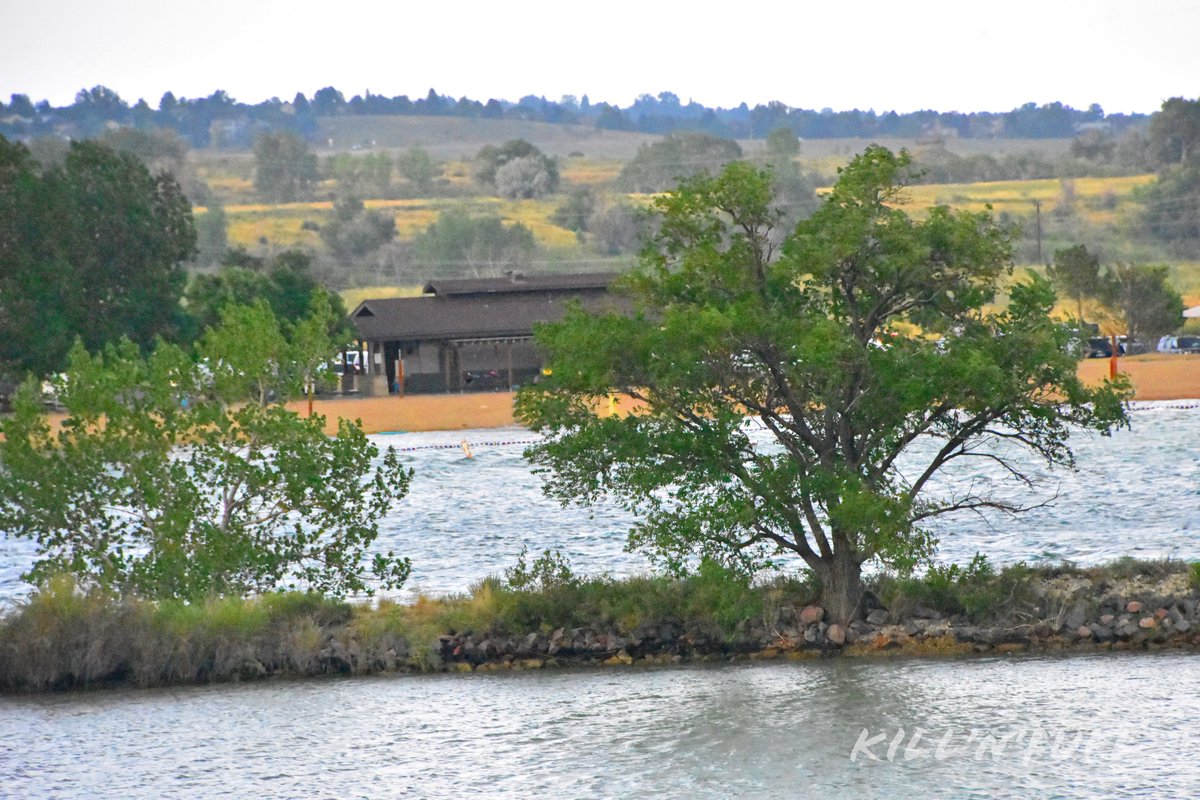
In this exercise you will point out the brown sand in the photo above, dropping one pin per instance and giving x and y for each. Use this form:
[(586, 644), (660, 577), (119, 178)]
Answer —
[(427, 412), (1155, 376)]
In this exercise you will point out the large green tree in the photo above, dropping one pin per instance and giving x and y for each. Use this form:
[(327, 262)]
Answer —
[(284, 281), (184, 475), (1172, 203), (90, 249), (781, 389)]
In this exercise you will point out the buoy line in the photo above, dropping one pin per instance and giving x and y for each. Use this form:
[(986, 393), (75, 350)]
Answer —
[(1158, 405), (458, 445)]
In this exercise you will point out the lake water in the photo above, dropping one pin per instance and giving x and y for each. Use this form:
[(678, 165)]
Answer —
[(1136, 493), (1110, 726), (1096, 726)]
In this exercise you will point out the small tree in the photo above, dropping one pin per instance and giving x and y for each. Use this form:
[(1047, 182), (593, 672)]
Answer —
[(574, 212), (174, 477), (778, 387), (1142, 298), (459, 242), (354, 231), (284, 167), (525, 178), (417, 167), (212, 233), (1076, 273), (536, 168), (783, 143)]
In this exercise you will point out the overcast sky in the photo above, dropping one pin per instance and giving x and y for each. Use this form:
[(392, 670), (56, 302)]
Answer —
[(956, 55)]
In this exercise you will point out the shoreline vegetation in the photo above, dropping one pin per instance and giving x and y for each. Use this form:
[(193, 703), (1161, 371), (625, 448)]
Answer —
[(542, 616)]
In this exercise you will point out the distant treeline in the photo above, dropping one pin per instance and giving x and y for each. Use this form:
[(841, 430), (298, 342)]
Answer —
[(220, 121)]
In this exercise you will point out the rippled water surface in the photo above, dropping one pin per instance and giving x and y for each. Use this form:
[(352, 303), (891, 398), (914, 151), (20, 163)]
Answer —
[(1103, 726), (1136, 493)]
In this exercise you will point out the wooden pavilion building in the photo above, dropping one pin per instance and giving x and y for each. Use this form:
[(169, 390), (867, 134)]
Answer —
[(468, 335)]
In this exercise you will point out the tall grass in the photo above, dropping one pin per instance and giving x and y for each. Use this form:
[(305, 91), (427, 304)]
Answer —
[(64, 637)]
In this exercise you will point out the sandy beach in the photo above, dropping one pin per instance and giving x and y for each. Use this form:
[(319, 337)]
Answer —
[(1155, 376)]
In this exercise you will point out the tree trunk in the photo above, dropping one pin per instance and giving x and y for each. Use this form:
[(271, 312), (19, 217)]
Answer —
[(841, 586)]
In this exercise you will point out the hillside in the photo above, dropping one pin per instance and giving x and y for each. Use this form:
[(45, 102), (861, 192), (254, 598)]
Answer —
[(449, 138)]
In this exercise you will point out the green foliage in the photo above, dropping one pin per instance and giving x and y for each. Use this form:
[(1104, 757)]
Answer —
[(575, 211), (212, 234), (860, 333), (546, 594), (371, 172), (783, 142), (419, 169), (618, 228), (516, 169), (158, 148), (1172, 204), (549, 571), (1076, 274), (460, 243), (1194, 575), (284, 167), (1175, 132), (176, 476), (976, 590), (1143, 298), (723, 594), (660, 164), (90, 249), (355, 232), (284, 282), (1171, 207)]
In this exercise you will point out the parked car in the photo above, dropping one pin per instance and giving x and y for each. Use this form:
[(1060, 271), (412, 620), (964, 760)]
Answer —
[(1098, 347), (1132, 347), (1186, 344)]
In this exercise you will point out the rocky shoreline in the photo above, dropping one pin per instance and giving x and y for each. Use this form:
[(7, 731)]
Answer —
[(1080, 616), (70, 644)]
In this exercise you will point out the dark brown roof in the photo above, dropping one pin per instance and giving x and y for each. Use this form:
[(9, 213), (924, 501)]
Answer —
[(475, 316), (516, 282)]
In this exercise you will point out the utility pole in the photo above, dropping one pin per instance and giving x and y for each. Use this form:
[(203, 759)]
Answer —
[(1037, 204)]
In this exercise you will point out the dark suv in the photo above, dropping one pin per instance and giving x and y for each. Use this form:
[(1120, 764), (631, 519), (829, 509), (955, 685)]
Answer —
[(1098, 347)]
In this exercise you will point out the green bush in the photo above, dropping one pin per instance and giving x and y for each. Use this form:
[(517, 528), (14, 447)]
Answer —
[(976, 590)]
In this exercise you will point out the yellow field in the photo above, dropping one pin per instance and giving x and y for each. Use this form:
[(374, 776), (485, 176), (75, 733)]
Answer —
[(588, 170), (1097, 200), (280, 225)]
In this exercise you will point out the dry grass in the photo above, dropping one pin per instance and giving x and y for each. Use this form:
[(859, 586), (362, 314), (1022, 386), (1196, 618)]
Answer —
[(1091, 195), (277, 230), (589, 170), (352, 297)]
